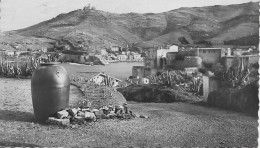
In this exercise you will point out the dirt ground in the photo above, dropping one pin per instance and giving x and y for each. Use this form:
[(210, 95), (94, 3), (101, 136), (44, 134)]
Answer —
[(172, 124)]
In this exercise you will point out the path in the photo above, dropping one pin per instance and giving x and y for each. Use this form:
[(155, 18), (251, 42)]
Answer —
[(173, 124)]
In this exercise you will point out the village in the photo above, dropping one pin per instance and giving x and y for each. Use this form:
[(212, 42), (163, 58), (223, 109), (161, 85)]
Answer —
[(191, 60), (64, 53), (157, 60)]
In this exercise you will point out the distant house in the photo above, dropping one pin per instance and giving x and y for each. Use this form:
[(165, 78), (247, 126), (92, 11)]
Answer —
[(44, 49), (137, 56), (173, 48), (139, 81), (156, 58), (122, 57), (103, 52), (16, 46), (66, 47), (103, 79), (2, 51), (10, 52), (130, 57), (115, 48), (209, 55)]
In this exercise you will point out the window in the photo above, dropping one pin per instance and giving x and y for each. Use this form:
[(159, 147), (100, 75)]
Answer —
[(204, 51)]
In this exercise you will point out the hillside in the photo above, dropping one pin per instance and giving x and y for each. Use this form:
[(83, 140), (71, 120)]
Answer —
[(96, 29)]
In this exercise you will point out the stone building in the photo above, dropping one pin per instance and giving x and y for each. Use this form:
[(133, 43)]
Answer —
[(122, 57), (156, 58), (210, 55)]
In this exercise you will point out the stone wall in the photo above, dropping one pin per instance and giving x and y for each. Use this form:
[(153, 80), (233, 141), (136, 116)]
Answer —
[(227, 61), (71, 58), (209, 85), (209, 55), (187, 62), (142, 72), (138, 71), (243, 100)]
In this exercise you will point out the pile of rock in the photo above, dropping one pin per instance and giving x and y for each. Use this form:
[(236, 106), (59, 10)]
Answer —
[(85, 115)]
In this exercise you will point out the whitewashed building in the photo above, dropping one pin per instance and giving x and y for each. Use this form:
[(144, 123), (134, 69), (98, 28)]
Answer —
[(103, 79)]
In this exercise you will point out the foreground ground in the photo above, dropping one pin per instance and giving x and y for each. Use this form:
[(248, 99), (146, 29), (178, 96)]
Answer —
[(172, 124)]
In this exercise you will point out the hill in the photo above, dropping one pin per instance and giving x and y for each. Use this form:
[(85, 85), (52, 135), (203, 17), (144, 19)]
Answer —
[(213, 25)]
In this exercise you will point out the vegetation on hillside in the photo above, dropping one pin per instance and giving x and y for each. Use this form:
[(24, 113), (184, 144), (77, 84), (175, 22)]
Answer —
[(212, 25)]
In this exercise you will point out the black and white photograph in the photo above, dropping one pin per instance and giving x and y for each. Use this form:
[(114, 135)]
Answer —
[(129, 73)]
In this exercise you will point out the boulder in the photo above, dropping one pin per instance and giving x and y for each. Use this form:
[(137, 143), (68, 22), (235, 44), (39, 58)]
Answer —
[(62, 114), (111, 115), (143, 116), (99, 114), (90, 116), (52, 120), (81, 114), (72, 112), (77, 120)]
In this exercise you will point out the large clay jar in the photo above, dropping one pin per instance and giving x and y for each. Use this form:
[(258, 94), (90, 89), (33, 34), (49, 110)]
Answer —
[(50, 89)]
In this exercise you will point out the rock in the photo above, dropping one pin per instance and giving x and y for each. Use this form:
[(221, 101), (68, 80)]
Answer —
[(99, 114), (119, 109), (94, 110), (104, 116), (120, 115), (90, 116), (62, 114), (81, 114), (126, 109), (73, 126), (137, 115), (111, 115), (105, 110), (110, 108), (72, 112), (78, 120), (143, 116), (85, 109), (127, 116), (56, 121)]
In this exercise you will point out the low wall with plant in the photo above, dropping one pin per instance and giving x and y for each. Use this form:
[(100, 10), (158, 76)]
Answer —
[(238, 89), (243, 100)]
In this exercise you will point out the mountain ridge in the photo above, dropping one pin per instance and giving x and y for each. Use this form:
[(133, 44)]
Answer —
[(213, 25)]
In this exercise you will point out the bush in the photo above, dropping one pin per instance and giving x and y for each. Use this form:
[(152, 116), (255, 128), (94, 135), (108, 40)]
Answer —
[(244, 100), (180, 57)]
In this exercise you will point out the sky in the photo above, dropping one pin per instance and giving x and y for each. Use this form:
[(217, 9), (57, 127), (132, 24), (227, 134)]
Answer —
[(18, 14)]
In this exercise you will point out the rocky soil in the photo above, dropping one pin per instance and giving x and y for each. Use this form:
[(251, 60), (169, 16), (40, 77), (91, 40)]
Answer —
[(170, 124)]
